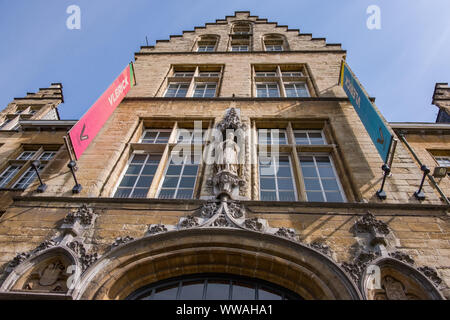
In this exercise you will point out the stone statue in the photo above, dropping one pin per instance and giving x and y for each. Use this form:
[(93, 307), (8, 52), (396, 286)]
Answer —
[(228, 155)]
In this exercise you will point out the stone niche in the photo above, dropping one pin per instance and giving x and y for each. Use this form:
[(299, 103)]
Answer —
[(397, 284), (48, 276)]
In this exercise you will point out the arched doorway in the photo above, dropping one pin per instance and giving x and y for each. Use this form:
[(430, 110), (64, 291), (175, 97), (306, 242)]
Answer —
[(283, 263)]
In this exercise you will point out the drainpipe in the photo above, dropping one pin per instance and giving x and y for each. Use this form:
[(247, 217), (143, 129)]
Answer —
[(402, 137)]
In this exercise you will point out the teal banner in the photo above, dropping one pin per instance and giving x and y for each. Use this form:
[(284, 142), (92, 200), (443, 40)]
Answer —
[(375, 126)]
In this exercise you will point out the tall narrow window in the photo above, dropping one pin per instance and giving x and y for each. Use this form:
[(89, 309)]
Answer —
[(139, 176), (179, 179), (28, 177), (276, 178), (320, 178), (296, 90), (267, 90), (177, 90), (8, 174), (205, 90)]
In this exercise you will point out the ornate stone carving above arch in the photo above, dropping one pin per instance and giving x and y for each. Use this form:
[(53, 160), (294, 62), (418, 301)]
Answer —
[(397, 281), (170, 254)]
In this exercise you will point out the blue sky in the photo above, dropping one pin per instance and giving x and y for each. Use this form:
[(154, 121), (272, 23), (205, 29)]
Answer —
[(399, 64)]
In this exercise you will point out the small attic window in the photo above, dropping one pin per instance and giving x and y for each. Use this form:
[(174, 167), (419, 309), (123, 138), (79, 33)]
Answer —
[(207, 43), (275, 43), (241, 28)]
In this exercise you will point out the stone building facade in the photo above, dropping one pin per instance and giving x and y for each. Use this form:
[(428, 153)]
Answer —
[(147, 226)]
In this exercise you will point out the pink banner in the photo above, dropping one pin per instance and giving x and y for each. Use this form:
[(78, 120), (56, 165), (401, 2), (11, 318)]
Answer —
[(85, 130)]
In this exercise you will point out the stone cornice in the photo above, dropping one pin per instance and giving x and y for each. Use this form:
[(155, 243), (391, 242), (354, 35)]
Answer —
[(237, 52), (270, 207)]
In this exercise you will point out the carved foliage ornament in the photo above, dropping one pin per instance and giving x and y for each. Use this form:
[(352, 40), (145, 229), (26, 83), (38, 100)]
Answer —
[(121, 240), (368, 223), (81, 252), (359, 265), (83, 214)]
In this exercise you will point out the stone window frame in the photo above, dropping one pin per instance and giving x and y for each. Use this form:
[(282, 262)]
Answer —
[(330, 148), (207, 86), (179, 177), (274, 39), (239, 47), (210, 40), (241, 38), (135, 145), (296, 84), (283, 74), (130, 160), (202, 73), (25, 164), (267, 90), (277, 190), (336, 176)]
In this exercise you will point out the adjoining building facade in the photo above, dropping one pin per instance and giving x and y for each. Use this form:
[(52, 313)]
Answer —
[(289, 212)]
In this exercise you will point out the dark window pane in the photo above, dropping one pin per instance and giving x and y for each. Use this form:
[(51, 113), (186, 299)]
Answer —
[(170, 182), (192, 290), (286, 196), (307, 161), (265, 294), (139, 158), (334, 197), (326, 172), (268, 196), (284, 172), (330, 185), (149, 169), (134, 169), (166, 293), (139, 193), (218, 290), (243, 291), (166, 194), (309, 171), (144, 181), (173, 170), (184, 194), (267, 184), (312, 184), (187, 182), (322, 160), (315, 196), (128, 181), (190, 170), (285, 184), (283, 161), (122, 192), (154, 158)]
